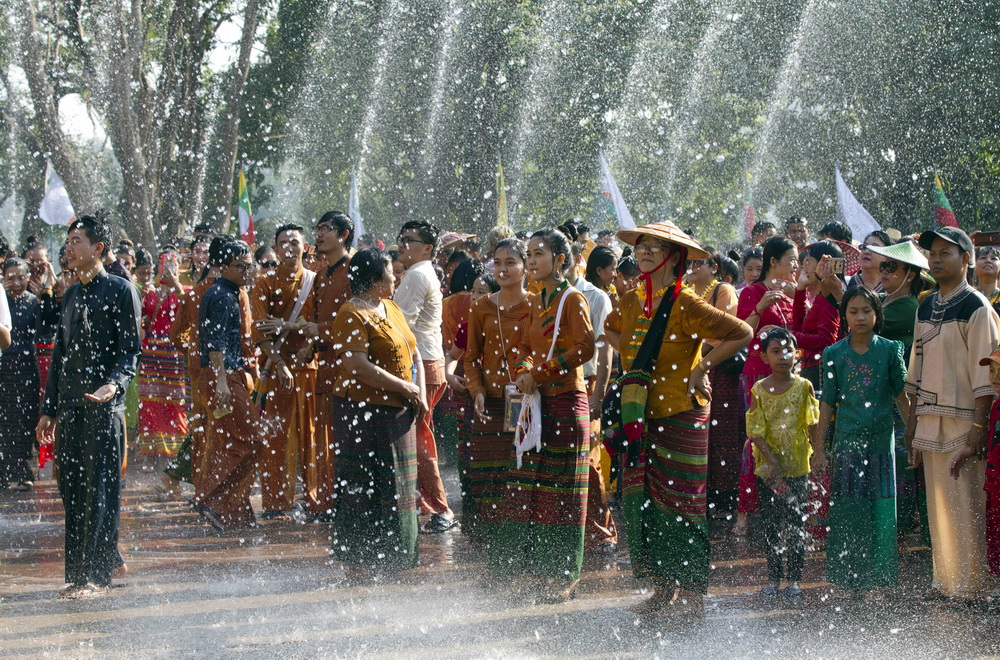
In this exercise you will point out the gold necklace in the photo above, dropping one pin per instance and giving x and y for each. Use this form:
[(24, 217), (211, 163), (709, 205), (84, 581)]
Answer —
[(708, 290)]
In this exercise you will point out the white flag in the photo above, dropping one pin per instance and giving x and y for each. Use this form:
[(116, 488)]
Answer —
[(56, 209), (612, 196), (851, 213), (354, 209)]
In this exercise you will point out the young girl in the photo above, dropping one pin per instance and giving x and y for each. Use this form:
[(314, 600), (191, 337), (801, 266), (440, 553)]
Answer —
[(545, 502), (498, 324), (161, 375), (782, 417), (764, 304), (863, 375), (752, 263)]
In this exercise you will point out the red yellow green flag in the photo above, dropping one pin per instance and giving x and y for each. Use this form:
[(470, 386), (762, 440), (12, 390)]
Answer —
[(943, 215)]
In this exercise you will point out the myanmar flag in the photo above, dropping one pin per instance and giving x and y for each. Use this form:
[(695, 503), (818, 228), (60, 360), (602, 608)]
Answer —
[(943, 215), (245, 213)]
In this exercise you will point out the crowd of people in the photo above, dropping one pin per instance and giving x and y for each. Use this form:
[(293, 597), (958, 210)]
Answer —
[(817, 392)]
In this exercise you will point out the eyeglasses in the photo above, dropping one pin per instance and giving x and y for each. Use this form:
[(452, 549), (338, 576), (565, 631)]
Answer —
[(244, 267), (652, 248), (695, 263), (408, 240), (888, 267)]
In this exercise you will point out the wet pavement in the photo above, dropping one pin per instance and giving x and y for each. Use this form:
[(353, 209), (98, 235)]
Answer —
[(275, 593)]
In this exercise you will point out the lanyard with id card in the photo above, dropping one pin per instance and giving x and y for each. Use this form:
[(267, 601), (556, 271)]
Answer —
[(512, 397)]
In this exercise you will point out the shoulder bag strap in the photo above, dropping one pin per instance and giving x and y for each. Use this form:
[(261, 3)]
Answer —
[(308, 277), (555, 327)]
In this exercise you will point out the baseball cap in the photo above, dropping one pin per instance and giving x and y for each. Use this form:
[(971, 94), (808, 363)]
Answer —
[(950, 234), (993, 357)]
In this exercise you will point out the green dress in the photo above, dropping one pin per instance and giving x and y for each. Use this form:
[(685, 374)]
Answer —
[(861, 550)]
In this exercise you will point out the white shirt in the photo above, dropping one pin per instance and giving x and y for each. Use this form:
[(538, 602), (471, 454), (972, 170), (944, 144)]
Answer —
[(4, 309), (600, 307), (419, 296)]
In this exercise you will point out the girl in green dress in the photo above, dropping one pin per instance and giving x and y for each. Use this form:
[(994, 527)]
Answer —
[(863, 375)]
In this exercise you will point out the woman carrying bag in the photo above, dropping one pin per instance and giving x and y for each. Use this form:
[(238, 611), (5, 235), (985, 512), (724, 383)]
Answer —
[(666, 467), (540, 538)]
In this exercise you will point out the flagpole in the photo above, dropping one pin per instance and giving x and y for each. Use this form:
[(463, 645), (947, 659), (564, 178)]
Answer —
[(933, 208)]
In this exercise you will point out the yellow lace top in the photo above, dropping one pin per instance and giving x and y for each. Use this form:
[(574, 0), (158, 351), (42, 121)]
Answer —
[(783, 421)]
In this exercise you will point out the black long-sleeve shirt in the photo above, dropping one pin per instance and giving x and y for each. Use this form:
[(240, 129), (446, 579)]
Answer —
[(97, 343), (24, 312), (219, 325)]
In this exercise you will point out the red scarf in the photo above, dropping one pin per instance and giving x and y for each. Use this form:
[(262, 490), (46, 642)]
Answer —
[(647, 278)]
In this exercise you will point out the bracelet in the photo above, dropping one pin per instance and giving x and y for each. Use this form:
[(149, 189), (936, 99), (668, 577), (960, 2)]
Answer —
[(978, 426)]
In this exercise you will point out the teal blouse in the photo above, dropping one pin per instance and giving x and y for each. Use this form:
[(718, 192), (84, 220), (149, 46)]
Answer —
[(862, 389)]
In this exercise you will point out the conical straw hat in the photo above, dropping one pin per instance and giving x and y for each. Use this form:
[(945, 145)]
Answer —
[(665, 231)]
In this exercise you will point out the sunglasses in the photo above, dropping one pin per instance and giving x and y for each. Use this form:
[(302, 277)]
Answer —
[(889, 267)]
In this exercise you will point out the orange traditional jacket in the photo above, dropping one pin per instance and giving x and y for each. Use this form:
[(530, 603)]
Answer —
[(274, 295), (485, 370), (574, 346)]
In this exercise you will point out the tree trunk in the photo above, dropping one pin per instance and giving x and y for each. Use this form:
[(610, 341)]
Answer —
[(123, 118), (45, 107), (229, 121)]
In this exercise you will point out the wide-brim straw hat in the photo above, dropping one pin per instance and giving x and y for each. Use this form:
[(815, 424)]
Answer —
[(905, 252), (665, 231)]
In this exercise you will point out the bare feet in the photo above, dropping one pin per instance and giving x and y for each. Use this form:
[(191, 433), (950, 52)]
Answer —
[(740, 528), (80, 591), (120, 572), (558, 591), (662, 597)]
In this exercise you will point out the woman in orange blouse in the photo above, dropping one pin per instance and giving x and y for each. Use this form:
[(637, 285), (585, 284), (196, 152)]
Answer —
[(545, 503), (378, 394), (665, 477), (497, 326)]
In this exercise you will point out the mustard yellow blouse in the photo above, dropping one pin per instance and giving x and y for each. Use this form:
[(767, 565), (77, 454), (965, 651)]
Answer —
[(783, 421)]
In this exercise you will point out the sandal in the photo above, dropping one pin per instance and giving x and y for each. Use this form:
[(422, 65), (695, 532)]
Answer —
[(606, 549), (24, 486), (69, 591), (211, 517), (438, 524), (90, 591)]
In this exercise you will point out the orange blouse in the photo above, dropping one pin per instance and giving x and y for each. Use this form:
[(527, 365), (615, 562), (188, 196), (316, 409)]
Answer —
[(386, 340), (454, 312), (574, 345), (490, 332)]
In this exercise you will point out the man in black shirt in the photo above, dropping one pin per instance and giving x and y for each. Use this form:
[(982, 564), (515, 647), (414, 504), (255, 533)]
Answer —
[(94, 359), (223, 496)]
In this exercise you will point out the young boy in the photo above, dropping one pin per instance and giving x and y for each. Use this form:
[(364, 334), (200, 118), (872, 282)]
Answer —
[(781, 419)]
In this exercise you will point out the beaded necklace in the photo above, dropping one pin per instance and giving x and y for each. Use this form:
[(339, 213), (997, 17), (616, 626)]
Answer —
[(711, 287)]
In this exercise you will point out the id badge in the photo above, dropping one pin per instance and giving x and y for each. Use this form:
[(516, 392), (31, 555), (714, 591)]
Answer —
[(512, 399)]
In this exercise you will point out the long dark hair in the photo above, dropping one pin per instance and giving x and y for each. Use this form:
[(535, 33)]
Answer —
[(774, 248), (871, 297), (557, 243), (820, 249), (601, 257)]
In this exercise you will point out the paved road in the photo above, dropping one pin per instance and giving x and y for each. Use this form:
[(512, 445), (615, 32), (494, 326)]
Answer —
[(275, 593)]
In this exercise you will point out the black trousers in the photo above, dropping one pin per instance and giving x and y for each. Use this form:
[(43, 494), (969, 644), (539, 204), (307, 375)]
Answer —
[(784, 527), (89, 459)]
